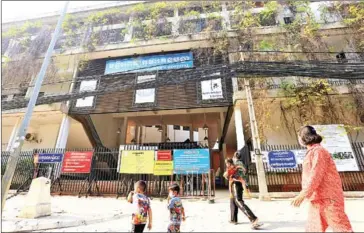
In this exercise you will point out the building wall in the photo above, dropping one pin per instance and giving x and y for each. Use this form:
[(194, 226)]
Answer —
[(77, 137), (46, 135), (107, 128)]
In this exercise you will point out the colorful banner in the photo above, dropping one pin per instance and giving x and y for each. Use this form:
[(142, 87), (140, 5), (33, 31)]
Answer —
[(150, 63), (282, 159), (136, 162), (163, 168), (164, 155), (195, 161), (49, 158), (77, 162)]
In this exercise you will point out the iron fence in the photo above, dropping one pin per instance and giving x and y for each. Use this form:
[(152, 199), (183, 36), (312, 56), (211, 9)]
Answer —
[(104, 178), (289, 180)]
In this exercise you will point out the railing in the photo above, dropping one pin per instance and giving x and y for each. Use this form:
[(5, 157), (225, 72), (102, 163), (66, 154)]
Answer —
[(104, 178), (288, 180)]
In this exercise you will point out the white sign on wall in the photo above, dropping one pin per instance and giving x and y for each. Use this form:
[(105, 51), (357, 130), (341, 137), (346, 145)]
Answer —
[(146, 78), (336, 141), (145, 96), (87, 85), (211, 89)]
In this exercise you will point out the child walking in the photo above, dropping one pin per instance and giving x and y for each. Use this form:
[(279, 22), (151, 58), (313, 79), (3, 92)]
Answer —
[(177, 212), (141, 205)]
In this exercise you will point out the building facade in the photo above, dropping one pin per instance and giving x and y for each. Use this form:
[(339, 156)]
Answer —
[(158, 74)]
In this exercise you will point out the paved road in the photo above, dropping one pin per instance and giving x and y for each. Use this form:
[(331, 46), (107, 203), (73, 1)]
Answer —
[(277, 215)]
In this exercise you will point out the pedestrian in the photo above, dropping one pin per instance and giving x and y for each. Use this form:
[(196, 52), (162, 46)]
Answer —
[(243, 172), (321, 186), (176, 210), (237, 193), (142, 212)]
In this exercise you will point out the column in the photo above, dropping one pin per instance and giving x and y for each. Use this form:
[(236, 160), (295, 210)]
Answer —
[(13, 134), (136, 134), (191, 133), (141, 134), (239, 126), (124, 131), (63, 132), (164, 130), (223, 153)]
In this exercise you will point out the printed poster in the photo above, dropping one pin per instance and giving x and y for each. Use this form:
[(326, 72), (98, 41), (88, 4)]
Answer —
[(336, 141), (77, 162), (196, 161), (163, 168), (136, 162)]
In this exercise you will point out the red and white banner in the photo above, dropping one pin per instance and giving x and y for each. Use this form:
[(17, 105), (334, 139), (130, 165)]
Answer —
[(164, 155), (77, 162)]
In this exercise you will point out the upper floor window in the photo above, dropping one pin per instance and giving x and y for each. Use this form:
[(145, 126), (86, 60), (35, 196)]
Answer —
[(192, 26)]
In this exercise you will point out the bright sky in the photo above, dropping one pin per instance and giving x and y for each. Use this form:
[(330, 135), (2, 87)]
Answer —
[(21, 9)]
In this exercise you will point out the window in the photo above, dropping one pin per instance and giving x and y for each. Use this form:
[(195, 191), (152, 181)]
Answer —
[(269, 21), (87, 85), (163, 29), (146, 78), (85, 102), (113, 36), (192, 26), (186, 128), (176, 127), (145, 96)]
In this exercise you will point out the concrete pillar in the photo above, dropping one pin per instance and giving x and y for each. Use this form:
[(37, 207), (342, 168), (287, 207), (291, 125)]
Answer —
[(191, 133), (63, 133), (164, 131), (223, 153), (141, 134), (239, 127), (136, 134), (13, 134), (124, 130)]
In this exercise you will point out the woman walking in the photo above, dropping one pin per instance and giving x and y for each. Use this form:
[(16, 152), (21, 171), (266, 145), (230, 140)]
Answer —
[(321, 185)]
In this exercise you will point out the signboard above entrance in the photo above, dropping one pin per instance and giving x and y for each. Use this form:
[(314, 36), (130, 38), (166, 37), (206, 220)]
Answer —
[(150, 63)]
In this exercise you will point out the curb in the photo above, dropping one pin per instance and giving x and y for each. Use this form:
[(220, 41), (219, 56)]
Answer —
[(358, 194), (36, 225)]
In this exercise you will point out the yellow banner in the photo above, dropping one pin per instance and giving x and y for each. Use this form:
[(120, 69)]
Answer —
[(163, 168), (137, 162)]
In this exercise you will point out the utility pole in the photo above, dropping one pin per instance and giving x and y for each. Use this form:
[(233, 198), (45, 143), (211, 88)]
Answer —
[(19, 140), (263, 189)]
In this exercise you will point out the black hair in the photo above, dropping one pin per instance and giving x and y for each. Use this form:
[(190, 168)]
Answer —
[(142, 185), (309, 136), (174, 187), (230, 161), (237, 155)]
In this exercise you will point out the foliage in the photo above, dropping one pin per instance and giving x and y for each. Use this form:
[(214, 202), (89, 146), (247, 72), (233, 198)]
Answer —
[(23, 30)]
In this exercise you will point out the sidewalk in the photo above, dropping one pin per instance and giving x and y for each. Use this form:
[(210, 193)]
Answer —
[(113, 215), (66, 212)]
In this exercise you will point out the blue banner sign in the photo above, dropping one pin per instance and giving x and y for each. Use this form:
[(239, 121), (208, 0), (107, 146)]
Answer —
[(150, 63), (50, 158), (282, 159), (195, 161)]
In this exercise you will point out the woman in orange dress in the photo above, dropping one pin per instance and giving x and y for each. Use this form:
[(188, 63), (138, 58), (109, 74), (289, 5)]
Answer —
[(321, 186)]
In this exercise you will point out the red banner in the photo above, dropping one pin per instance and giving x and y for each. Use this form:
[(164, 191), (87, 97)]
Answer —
[(77, 162), (164, 155)]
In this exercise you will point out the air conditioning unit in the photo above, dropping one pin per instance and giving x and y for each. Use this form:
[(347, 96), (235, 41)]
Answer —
[(30, 137)]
